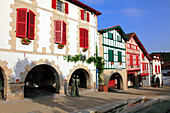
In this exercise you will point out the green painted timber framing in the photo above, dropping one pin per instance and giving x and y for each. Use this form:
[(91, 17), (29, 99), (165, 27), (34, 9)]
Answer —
[(113, 47)]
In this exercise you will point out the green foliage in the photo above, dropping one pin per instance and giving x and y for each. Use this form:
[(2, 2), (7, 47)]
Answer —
[(74, 59)]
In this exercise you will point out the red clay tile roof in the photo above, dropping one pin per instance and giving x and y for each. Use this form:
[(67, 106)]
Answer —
[(84, 6), (130, 35)]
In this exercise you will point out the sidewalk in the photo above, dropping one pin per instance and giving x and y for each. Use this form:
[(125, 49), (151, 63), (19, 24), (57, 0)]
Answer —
[(62, 104)]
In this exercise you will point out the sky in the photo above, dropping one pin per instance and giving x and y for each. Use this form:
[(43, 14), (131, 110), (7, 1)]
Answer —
[(149, 19)]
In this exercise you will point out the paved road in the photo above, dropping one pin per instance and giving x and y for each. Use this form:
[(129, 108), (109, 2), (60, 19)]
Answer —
[(62, 104)]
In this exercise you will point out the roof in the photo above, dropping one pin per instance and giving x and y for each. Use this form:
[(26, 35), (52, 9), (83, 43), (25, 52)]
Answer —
[(134, 36), (166, 65), (119, 30), (84, 6)]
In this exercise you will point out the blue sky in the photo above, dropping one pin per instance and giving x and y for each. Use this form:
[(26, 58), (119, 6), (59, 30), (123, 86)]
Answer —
[(149, 19)]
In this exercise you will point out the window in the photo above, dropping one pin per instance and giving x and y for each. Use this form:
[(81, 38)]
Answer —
[(110, 35), (60, 32), (84, 38), (137, 60), (119, 38), (119, 56), (131, 60), (142, 56), (111, 57), (85, 14), (59, 5), (25, 23)]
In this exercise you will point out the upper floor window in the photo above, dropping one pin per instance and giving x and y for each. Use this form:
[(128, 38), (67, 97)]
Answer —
[(60, 32), (84, 37), (110, 35), (120, 56), (85, 15), (119, 38), (60, 6), (25, 24), (111, 56)]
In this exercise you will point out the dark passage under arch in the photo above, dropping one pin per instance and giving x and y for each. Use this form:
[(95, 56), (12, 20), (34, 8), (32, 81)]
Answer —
[(41, 80)]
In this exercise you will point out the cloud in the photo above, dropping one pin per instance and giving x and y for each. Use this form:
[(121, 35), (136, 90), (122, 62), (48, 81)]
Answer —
[(133, 12)]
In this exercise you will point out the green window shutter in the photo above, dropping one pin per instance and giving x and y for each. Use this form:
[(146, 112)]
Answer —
[(110, 36), (119, 38), (119, 56), (111, 59)]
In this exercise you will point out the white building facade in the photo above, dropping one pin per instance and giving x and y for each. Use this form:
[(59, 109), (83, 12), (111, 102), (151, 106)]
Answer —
[(49, 25)]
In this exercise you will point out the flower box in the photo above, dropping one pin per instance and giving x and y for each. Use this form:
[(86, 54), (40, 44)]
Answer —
[(25, 41), (120, 63), (60, 46), (111, 63), (103, 88), (84, 49)]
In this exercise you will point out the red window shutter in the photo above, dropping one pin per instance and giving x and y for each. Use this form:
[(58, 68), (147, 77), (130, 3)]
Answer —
[(21, 29), (88, 17), (54, 4), (143, 68), (137, 60), (86, 38), (31, 25), (142, 56), (82, 14), (158, 69), (81, 37), (131, 60), (66, 8), (155, 68), (57, 31), (64, 40)]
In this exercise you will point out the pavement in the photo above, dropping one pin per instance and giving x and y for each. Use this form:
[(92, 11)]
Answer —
[(61, 104)]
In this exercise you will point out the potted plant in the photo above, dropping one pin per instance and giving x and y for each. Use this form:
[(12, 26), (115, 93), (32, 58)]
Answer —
[(60, 46), (120, 63), (84, 49), (112, 63), (25, 41)]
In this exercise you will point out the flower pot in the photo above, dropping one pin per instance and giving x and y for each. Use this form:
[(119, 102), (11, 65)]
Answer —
[(112, 63), (59, 47), (25, 43), (103, 88), (120, 63), (84, 50)]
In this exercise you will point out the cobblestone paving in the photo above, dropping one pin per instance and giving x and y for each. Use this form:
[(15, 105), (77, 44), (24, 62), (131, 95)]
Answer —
[(61, 104)]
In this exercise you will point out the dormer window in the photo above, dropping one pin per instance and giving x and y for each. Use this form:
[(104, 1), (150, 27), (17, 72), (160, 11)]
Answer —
[(119, 38), (59, 5)]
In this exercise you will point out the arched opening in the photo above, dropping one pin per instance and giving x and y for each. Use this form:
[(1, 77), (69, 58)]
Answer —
[(41, 80), (115, 82), (84, 78), (1, 84), (158, 81)]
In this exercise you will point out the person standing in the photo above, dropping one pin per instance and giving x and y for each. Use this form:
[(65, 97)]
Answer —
[(73, 87), (77, 86)]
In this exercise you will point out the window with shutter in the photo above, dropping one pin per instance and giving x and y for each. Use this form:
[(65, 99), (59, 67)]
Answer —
[(88, 17), (82, 14), (110, 36), (58, 31), (131, 60), (31, 25), (64, 34), (86, 38), (119, 38), (111, 59), (21, 29), (82, 37), (54, 4), (66, 8), (137, 60), (119, 56)]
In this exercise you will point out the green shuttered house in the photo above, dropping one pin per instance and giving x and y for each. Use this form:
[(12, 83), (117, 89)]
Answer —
[(113, 51)]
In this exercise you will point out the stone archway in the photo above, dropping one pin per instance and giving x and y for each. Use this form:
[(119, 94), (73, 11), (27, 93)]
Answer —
[(115, 82), (41, 80), (6, 73)]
